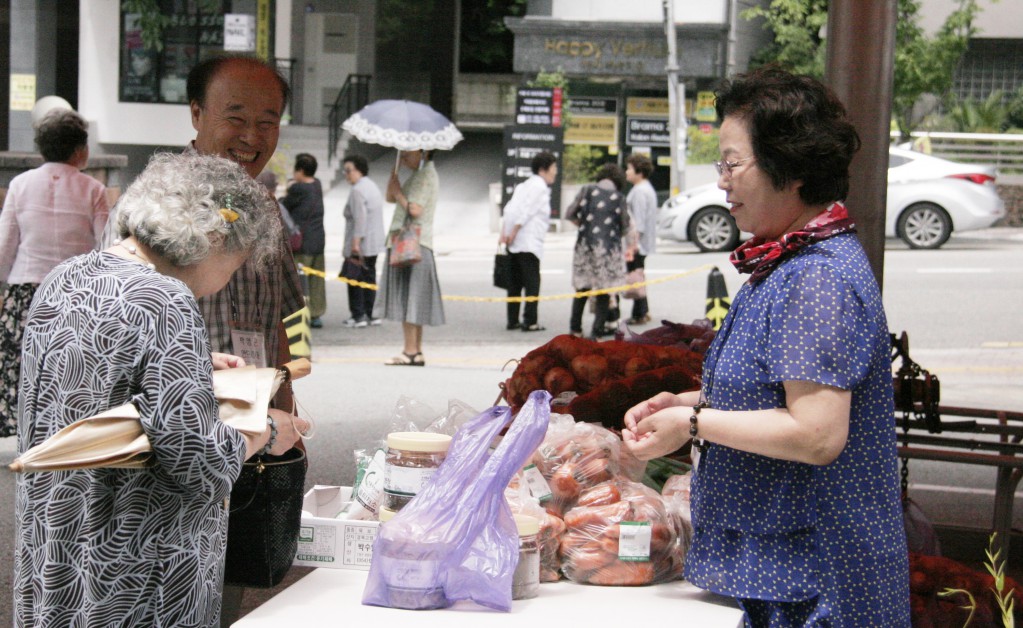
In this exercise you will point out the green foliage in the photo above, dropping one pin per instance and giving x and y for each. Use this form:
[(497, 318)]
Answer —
[(580, 163), (701, 148), (926, 65), (1014, 111), (659, 470), (403, 25), (970, 606), (151, 20), (796, 24), (922, 64), (486, 43), (555, 79), (996, 568), (972, 116)]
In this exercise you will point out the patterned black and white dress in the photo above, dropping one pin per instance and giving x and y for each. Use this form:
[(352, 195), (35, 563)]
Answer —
[(598, 260), (118, 547)]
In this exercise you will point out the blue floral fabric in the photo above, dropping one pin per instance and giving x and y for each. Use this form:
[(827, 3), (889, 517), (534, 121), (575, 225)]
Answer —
[(816, 545)]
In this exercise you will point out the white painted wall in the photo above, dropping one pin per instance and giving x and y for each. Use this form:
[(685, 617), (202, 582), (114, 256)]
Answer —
[(112, 121), (1001, 19), (282, 36), (686, 11)]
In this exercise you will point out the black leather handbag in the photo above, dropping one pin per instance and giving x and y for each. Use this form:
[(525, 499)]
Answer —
[(266, 513), (502, 269)]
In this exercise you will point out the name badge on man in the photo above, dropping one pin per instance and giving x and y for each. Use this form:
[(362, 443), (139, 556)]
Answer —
[(249, 345)]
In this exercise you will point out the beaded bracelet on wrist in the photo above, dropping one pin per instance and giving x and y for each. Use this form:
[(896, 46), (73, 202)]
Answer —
[(694, 426), (273, 436)]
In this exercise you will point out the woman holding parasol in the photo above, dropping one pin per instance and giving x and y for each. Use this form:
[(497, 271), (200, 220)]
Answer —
[(409, 294)]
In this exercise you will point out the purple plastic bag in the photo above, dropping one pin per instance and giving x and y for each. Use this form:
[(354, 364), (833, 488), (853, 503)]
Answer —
[(456, 539)]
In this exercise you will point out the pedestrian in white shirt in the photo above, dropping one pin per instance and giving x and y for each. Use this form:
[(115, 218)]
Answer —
[(642, 201), (527, 218)]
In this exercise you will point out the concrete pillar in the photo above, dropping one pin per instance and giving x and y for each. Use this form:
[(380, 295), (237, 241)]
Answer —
[(33, 51)]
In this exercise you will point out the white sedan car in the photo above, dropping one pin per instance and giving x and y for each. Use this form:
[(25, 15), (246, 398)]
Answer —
[(928, 198)]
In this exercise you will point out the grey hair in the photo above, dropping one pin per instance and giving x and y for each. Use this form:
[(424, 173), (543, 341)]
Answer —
[(174, 207)]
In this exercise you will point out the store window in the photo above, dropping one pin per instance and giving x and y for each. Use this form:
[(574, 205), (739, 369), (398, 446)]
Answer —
[(193, 31)]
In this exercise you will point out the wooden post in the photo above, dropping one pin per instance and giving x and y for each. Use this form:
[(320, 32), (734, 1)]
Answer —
[(860, 67)]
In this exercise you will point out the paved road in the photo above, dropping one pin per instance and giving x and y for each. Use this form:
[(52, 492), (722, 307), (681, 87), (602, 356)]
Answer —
[(959, 305)]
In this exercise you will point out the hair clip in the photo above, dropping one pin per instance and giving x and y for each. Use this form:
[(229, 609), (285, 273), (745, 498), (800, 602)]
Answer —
[(228, 214)]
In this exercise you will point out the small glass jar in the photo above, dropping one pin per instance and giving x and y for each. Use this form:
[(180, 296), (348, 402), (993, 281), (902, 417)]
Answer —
[(384, 514), (526, 580), (412, 458)]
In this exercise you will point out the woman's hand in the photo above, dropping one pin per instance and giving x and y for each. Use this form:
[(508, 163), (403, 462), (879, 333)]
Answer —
[(393, 188), (656, 426), (289, 430), (640, 411), (223, 361)]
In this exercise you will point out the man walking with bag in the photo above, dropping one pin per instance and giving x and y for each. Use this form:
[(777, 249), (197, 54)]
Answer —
[(527, 218)]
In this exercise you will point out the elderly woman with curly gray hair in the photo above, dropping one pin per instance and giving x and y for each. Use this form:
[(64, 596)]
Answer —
[(140, 547)]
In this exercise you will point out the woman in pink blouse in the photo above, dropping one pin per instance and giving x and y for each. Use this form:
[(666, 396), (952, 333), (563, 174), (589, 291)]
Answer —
[(50, 213)]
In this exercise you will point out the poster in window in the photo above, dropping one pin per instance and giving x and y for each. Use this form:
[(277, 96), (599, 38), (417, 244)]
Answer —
[(138, 64)]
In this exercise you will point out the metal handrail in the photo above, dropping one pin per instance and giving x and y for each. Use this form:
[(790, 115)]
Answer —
[(1004, 151), (353, 96)]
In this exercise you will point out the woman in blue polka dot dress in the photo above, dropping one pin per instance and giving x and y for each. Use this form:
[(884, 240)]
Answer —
[(796, 503)]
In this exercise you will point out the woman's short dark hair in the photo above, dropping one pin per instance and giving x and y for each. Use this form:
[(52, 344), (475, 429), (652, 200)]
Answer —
[(358, 162), (203, 73), (613, 172), (542, 161), (60, 133), (798, 130), (306, 163), (641, 164)]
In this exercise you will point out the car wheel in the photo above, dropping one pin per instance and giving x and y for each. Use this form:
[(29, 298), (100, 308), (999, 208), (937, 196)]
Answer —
[(713, 230), (924, 226)]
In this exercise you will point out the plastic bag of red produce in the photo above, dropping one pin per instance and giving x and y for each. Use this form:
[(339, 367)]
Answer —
[(676, 501), (629, 542), (608, 378), (456, 539), (573, 457)]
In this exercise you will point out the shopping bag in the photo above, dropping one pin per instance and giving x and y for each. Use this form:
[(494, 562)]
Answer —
[(265, 518), (502, 268), (635, 276), (405, 249), (352, 269), (456, 540)]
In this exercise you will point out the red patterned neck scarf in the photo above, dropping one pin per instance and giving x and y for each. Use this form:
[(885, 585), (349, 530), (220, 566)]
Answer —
[(760, 257)]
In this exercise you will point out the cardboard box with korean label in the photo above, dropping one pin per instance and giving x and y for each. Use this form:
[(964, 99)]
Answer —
[(324, 541)]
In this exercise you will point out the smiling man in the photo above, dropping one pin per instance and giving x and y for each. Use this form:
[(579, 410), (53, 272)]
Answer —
[(236, 105)]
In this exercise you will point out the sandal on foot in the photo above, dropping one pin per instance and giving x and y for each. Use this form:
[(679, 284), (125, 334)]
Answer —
[(404, 359)]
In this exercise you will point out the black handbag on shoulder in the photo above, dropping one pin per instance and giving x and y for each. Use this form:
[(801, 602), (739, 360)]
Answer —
[(266, 513)]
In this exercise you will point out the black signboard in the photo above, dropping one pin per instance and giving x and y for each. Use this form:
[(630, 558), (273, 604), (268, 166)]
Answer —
[(538, 105), (521, 144), (593, 106), (647, 132)]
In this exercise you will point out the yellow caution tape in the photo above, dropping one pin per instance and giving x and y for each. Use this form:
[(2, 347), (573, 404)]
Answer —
[(554, 297), (299, 338)]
